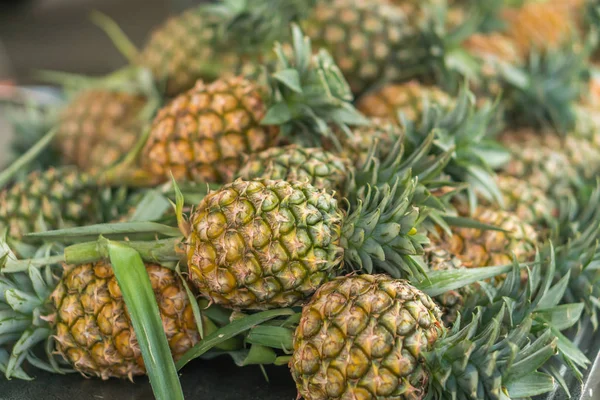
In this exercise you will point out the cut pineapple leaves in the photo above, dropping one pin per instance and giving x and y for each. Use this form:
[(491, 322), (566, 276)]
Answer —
[(138, 295)]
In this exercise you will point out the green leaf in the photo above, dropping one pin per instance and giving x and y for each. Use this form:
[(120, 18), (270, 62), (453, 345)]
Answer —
[(278, 114), (272, 336), (229, 331), (561, 317), (135, 285), (530, 385), (152, 206), (118, 230), (570, 350), (442, 281), (257, 355), (290, 78)]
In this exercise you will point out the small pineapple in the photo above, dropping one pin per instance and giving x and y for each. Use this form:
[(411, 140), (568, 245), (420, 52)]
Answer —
[(372, 40), (541, 25), (85, 318), (270, 243), (485, 247), (178, 51), (409, 98), (53, 199), (321, 169), (98, 127), (552, 163)]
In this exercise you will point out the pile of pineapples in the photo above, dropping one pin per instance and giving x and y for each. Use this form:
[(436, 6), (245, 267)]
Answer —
[(395, 199)]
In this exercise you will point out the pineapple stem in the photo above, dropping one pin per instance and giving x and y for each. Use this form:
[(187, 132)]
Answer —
[(116, 34), (161, 251), (8, 174)]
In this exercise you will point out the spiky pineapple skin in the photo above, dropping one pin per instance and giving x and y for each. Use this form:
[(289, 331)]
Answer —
[(363, 337), (529, 203), (540, 25), (451, 302), (485, 247), (202, 134), (357, 145), (362, 36), (320, 168), (550, 162), (53, 199), (408, 98), (98, 127), (178, 50), (264, 244), (93, 331)]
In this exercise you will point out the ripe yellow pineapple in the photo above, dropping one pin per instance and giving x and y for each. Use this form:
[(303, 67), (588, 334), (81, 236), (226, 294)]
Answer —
[(541, 25), (89, 324), (202, 134), (98, 127), (409, 98)]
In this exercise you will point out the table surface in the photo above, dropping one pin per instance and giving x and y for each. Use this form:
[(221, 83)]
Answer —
[(215, 379)]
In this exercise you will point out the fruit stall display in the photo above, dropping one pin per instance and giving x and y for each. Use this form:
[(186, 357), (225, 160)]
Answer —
[(381, 199)]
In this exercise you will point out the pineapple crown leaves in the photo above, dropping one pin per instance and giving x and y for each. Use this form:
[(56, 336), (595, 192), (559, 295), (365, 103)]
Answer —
[(380, 232), (545, 90), (309, 94), (577, 234), (249, 24), (465, 130), (23, 311), (30, 122), (510, 335)]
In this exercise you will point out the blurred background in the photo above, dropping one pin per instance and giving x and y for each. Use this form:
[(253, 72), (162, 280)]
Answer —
[(59, 35)]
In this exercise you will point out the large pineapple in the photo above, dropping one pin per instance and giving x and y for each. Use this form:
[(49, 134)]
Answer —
[(203, 134), (53, 199), (98, 127), (267, 243), (372, 337), (85, 318)]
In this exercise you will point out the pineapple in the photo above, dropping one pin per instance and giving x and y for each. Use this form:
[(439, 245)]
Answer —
[(203, 134), (372, 40), (373, 337), (98, 127), (53, 199), (321, 169), (474, 248), (478, 247), (86, 321), (550, 162), (266, 243), (409, 98), (541, 25), (179, 51)]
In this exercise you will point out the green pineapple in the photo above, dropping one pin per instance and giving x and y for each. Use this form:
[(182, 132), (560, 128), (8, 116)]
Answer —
[(54, 199)]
